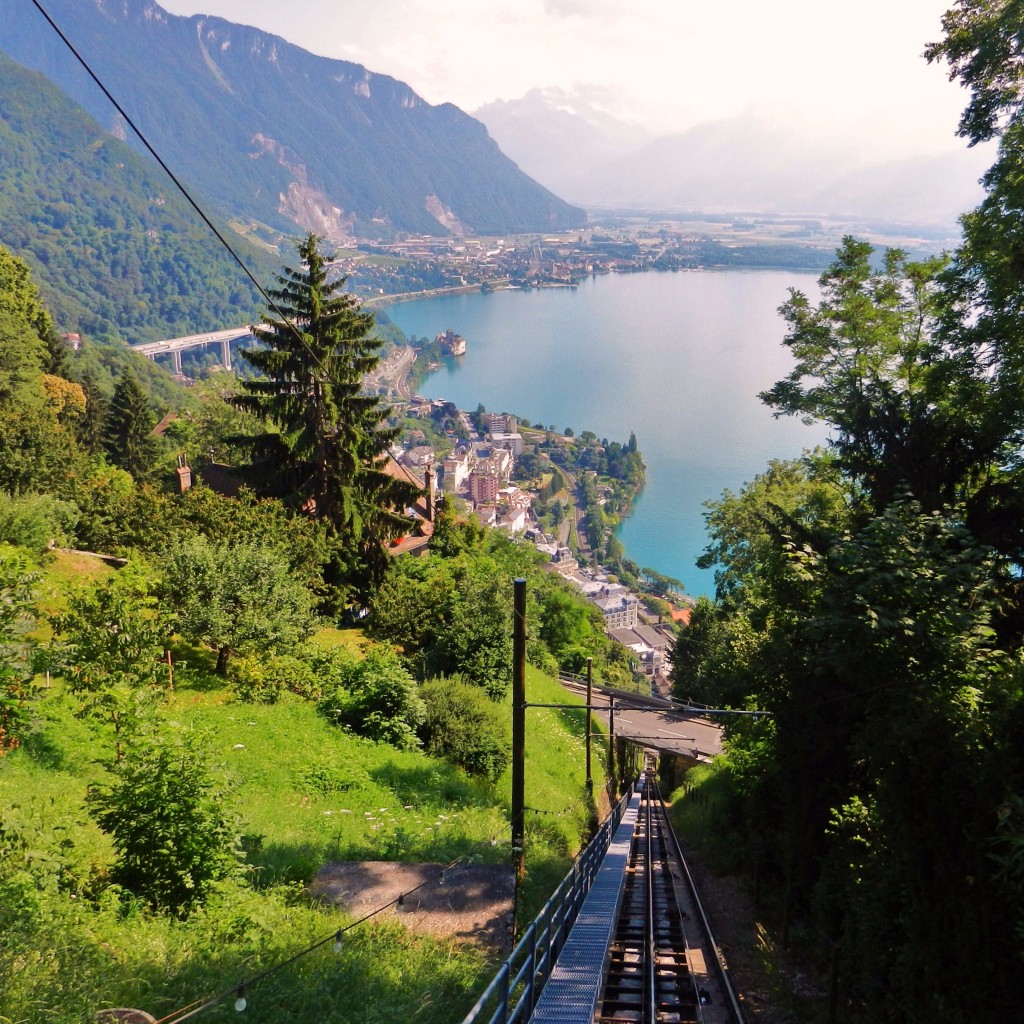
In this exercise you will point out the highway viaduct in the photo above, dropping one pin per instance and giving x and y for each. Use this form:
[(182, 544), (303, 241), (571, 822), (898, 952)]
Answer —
[(175, 346)]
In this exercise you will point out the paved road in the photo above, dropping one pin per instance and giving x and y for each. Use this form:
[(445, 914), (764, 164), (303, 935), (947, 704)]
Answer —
[(689, 735)]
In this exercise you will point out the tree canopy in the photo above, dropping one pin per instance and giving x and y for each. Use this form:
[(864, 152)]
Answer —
[(869, 601)]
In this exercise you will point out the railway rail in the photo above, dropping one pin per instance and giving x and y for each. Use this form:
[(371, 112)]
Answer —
[(664, 966), (624, 940)]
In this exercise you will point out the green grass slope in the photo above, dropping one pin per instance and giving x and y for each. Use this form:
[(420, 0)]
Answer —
[(305, 793)]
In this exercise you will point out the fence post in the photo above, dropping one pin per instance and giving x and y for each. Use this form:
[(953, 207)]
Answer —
[(590, 719)]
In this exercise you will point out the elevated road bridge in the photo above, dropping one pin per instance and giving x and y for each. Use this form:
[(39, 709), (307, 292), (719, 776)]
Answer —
[(175, 346)]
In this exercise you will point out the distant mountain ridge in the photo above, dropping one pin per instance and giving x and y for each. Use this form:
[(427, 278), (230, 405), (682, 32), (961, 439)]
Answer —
[(278, 136), (750, 162)]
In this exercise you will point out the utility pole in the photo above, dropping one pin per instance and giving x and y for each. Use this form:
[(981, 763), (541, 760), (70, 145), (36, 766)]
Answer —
[(590, 719), (611, 748), (519, 726)]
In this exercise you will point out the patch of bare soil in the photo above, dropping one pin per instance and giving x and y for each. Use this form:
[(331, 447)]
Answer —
[(473, 903)]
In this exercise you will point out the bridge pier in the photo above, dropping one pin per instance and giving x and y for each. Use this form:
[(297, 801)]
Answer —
[(225, 354), (176, 356)]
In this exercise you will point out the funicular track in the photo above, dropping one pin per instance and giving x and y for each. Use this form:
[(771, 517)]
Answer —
[(663, 965)]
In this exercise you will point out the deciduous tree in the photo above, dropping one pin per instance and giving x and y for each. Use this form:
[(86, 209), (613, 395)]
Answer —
[(237, 597)]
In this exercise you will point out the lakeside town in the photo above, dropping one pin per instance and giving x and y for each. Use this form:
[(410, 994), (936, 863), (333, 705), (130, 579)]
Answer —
[(427, 265), (626, 242), (561, 493)]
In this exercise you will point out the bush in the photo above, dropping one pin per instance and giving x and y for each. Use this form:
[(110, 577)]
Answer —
[(376, 698), (253, 682), (263, 681), (172, 834), (37, 521), (465, 727), (295, 674)]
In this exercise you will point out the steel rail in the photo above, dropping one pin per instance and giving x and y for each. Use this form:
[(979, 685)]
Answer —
[(721, 967)]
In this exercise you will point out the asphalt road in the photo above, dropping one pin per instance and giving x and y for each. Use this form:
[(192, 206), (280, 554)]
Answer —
[(689, 735)]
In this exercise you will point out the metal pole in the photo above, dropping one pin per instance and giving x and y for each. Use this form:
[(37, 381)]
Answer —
[(590, 719), (519, 726), (611, 747)]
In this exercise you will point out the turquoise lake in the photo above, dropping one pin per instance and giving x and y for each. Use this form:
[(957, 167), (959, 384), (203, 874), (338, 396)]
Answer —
[(679, 358)]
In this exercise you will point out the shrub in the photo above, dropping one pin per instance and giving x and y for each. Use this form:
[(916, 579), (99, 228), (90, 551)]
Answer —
[(295, 674), (169, 824), (465, 727), (253, 681), (377, 698), (37, 521)]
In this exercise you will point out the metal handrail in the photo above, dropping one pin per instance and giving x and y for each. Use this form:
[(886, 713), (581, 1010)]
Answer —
[(514, 991)]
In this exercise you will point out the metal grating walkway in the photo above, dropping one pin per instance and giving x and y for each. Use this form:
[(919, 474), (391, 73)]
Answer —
[(571, 993)]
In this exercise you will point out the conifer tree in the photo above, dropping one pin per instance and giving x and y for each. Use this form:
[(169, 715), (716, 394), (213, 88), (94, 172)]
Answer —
[(91, 427), (328, 454), (128, 433)]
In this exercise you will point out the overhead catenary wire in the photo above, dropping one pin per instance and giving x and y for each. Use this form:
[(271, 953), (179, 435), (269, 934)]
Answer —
[(239, 988)]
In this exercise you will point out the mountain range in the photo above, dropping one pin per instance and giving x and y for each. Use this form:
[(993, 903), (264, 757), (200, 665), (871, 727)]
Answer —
[(116, 251), (754, 161), (278, 139)]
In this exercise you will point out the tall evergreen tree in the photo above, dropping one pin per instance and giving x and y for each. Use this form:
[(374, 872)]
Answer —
[(328, 455), (128, 433), (91, 426)]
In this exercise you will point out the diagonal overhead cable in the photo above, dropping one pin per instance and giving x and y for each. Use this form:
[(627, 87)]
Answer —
[(170, 174)]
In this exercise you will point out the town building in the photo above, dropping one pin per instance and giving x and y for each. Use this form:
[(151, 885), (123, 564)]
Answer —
[(483, 484), (618, 606), (456, 469), (418, 457)]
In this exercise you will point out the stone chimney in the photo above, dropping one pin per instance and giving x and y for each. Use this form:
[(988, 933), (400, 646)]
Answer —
[(428, 480)]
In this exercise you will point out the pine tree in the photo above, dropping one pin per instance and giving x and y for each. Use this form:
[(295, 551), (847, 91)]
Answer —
[(128, 432), (329, 454)]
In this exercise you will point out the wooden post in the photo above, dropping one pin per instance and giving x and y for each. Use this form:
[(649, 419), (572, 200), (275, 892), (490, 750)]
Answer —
[(519, 726), (590, 719)]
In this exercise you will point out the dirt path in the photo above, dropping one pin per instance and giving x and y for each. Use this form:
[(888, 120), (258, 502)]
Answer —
[(473, 904)]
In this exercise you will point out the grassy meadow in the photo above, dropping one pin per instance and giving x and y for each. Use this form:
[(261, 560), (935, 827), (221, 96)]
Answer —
[(305, 792)]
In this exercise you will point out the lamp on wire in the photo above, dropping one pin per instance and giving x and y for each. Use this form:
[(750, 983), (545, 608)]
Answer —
[(240, 1000), (337, 941), (400, 905)]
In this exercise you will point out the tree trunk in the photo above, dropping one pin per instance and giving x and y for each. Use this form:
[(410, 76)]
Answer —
[(222, 661)]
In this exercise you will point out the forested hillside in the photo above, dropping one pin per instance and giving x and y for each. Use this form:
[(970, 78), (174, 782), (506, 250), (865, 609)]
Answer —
[(116, 250), (278, 136), (870, 603)]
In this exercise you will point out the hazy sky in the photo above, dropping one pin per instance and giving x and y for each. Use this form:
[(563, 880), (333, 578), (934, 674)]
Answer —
[(665, 63)]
